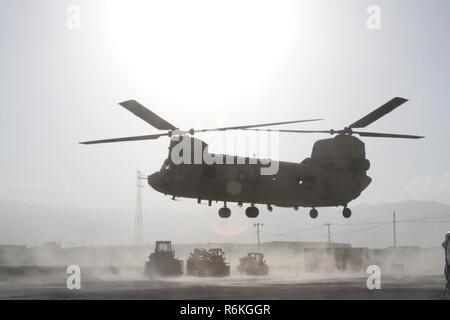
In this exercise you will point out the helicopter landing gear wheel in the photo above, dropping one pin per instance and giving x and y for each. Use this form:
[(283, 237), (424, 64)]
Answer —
[(346, 212), (252, 212), (224, 212), (313, 213)]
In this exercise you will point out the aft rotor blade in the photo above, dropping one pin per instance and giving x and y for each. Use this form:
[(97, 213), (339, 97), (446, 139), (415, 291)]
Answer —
[(296, 131), (125, 139), (387, 135), (256, 125), (362, 134), (378, 113), (148, 116)]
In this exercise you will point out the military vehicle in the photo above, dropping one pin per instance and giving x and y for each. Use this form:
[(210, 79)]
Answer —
[(207, 263), (334, 175), (253, 265), (162, 261)]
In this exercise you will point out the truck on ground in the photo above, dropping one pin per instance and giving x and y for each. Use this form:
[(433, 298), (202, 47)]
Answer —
[(253, 264), (162, 261), (207, 263)]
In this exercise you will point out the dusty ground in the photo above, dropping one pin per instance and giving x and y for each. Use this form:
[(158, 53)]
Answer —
[(52, 286)]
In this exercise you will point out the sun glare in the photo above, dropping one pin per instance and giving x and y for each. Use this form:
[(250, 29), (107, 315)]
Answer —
[(229, 229), (182, 45)]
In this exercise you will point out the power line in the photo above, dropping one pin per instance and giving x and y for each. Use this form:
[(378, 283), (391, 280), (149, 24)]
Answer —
[(371, 225), (360, 230), (243, 236), (273, 235), (358, 223), (333, 233), (296, 231), (425, 218), (421, 222), (397, 221)]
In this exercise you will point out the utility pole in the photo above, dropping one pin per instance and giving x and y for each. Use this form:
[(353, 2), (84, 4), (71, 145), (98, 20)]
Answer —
[(258, 225), (329, 234), (138, 229), (395, 230)]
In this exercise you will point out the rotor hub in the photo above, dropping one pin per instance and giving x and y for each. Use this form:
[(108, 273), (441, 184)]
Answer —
[(347, 131)]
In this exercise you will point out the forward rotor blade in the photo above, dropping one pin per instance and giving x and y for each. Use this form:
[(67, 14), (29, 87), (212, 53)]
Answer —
[(148, 116), (378, 113), (136, 138), (256, 125), (387, 135)]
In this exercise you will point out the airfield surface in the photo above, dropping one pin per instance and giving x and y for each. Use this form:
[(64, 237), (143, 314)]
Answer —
[(231, 288)]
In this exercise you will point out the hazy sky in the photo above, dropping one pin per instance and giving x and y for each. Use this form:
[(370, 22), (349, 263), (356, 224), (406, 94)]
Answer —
[(204, 63)]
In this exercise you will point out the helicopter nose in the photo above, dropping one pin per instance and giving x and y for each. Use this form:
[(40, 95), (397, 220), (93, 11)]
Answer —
[(154, 180)]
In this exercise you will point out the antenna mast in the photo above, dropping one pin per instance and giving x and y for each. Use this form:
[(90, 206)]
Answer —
[(257, 226), (138, 229)]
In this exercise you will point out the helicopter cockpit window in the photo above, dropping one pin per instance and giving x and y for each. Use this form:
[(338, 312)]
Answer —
[(166, 166)]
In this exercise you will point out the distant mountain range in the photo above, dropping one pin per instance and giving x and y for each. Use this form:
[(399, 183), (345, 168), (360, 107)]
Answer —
[(418, 223)]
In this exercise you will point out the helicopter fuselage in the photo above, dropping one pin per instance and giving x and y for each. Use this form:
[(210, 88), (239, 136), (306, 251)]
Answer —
[(334, 175)]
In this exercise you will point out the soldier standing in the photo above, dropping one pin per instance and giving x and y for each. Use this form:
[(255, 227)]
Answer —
[(446, 246)]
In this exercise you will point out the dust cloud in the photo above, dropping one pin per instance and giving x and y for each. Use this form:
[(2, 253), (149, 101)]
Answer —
[(288, 262)]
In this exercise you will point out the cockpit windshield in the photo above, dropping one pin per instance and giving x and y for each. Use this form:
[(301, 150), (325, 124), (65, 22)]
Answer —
[(163, 247), (166, 165)]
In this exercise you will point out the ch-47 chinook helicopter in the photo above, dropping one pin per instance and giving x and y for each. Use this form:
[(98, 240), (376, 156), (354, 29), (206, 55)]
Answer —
[(334, 175)]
